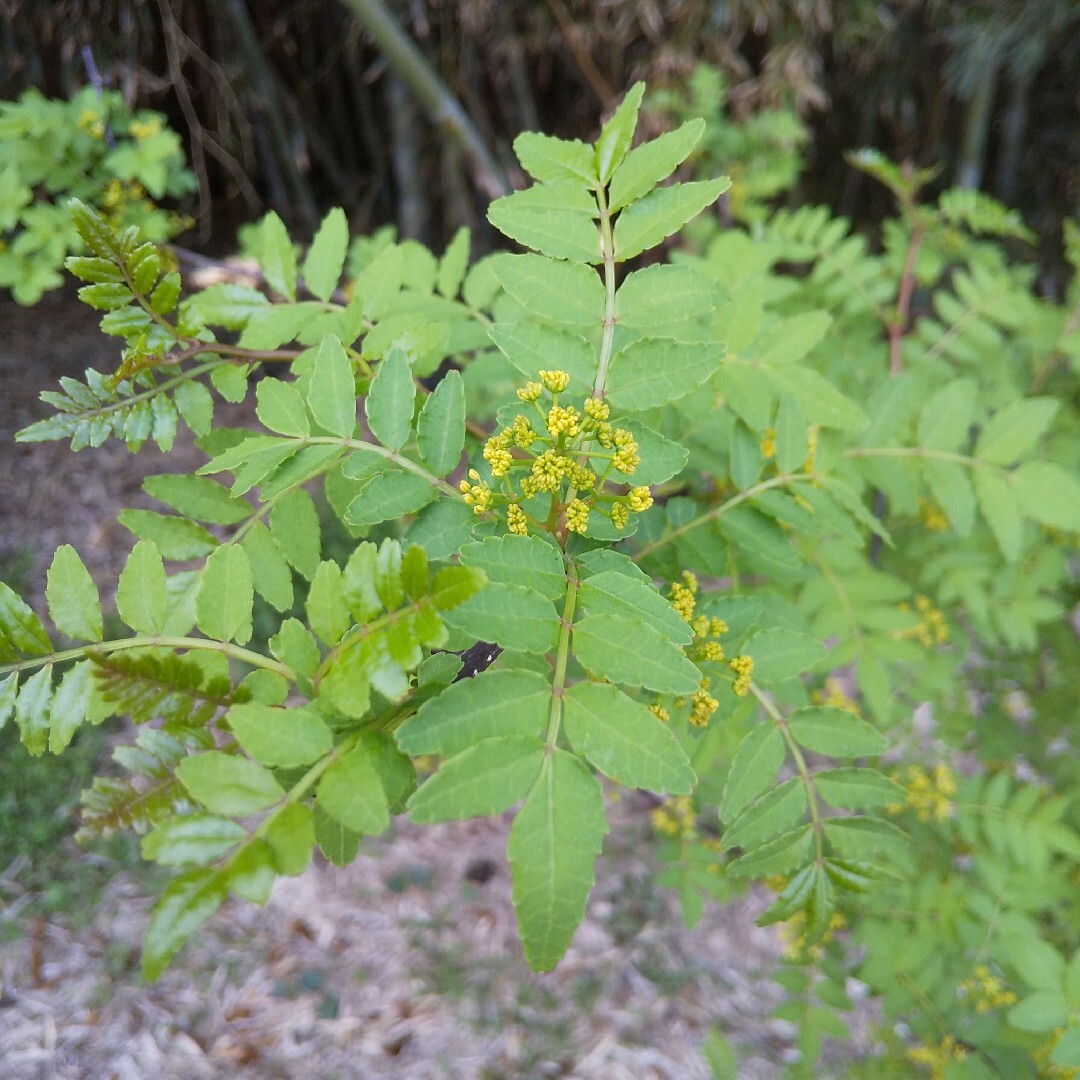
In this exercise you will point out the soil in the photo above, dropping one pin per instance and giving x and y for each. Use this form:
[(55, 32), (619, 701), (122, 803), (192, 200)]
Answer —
[(405, 965)]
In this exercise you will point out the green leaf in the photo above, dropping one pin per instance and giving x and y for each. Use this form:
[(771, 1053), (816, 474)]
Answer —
[(332, 389), (290, 834), (744, 451), (69, 705), (389, 496), (649, 373), (224, 601), (175, 537), (440, 430), (780, 654), (33, 710), (531, 348), (791, 438), (646, 165), (21, 630), (184, 906), (281, 408), (567, 293), (1067, 1051), (227, 304), (339, 844), (140, 592), (270, 572), (836, 732), (999, 505), (519, 560), (389, 403), (555, 219), (514, 616), (946, 419), (492, 704), (276, 256), (295, 646), (327, 612), (229, 785), (196, 405), (294, 523), (865, 837), (950, 484), (660, 295), (251, 872), (8, 691), (1048, 493), (775, 812), (857, 789), (661, 213), (617, 134), (280, 737), (779, 856), (326, 256), (754, 768), (612, 592), (553, 846), (198, 497), (790, 339), (624, 741), (453, 264), (1012, 432), (191, 840), (352, 794), (454, 585), (482, 781), (820, 401), (633, 653), (551, 160), (1042, 1011), (74, 604)]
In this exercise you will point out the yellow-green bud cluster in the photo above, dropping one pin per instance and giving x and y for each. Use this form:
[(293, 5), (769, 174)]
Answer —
[(743, 666), (702, 705), (570, 455)]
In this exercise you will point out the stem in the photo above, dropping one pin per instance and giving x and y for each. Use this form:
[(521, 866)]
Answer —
[(608, 246), (916, 452), (390, 455), (558, 682), (723, 508), (234, 652), (898, 325)]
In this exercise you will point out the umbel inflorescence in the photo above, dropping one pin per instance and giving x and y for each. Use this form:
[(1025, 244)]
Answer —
[(553, 469)]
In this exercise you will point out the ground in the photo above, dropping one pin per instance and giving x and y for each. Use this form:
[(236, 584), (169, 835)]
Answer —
[(403, 966)]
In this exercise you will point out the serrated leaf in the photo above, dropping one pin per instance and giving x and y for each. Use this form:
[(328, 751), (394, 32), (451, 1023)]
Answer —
[(294, 523), (197, 497), (290, 835), (453, 264), (946, 419), (226, 594), (820, 401), (184, 906), (1010, 433), (779, 856), (662, 212), (351, 793), (191, 840), (251, 872), (612, 592), (793, 898), (999, 505), (174, 537), (270, 572), (332, 389), (1048, 493), (339, 844), (276, 256), (633, 653), (649, 373), (744, 453), (950, 485), (280, 737), (141, 592), (753, 769), (9, 689), (326, 257), (552, 848), (196, 405), (564, 292), (646, 165), (514, 616), (791, 436), (482, 781), (555, 219), (440, 430), (228, 784), (389, 496), (281, 408), (780, 653), (836, 732), (660, 295), (857, 789), (74, 604), (327, 612), (492, 704), (454, 585), (32, 710), (21, 631), (389, 403), (531, 348), (69, 705), (519, 560), (624, 741), (790, 339), (864, 837), (617, 134), (551, 160), (775, 812)]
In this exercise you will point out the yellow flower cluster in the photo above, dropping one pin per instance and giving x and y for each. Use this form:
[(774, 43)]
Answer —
[(743, 666), (90, 122), (555, 382), (684, 596), (577, 516), (702, 705), (596, 409), (937, 1058), (1046, 1067), (516, 520), (675, 817), (834, 697), (563, 420), (929, 794), (626, 458), (144, 129), (932, 629), (640, 499), (477, 495), (793, 936), (987, 991), (932, 516), (660, 713)]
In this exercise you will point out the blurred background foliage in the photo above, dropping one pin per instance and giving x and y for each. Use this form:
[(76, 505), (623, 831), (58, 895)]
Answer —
[(297, 105)]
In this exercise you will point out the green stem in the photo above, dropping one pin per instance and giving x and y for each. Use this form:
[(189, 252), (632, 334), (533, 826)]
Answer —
[(390, 455), (234, 652), (558, 683), (917, 452), (608, 245)]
